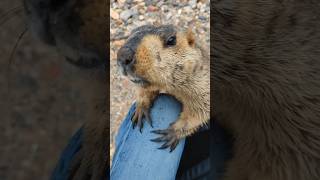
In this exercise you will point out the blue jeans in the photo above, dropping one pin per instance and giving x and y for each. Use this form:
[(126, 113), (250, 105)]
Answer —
[(200, 156), (138, 158)]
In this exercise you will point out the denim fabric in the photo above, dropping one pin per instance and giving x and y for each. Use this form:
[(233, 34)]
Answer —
[(136, 157), (61, 171)]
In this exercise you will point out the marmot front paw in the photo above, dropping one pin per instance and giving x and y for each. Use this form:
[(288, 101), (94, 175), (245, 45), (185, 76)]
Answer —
[(141, 113), (144, 103), (169, 136)]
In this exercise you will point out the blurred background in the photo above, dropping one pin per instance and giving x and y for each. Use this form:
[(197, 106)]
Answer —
[(42, 101), (129, 14), (42, 97)]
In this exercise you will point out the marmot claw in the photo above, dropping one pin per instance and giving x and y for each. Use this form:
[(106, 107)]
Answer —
[(169, 136), (140, 114)]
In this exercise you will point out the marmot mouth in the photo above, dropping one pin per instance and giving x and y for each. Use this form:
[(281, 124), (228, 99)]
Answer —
[(138, 80)]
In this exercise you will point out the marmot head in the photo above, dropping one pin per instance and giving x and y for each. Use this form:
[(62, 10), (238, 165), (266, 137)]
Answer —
[(77, 28), (153, 55)]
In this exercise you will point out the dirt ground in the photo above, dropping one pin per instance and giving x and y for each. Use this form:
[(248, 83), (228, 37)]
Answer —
[(41, 103)]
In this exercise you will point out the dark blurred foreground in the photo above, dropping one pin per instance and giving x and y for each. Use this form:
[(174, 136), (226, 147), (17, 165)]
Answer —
[(42, 101)]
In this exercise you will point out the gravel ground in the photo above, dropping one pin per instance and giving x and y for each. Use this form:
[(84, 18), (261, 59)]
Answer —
[(129, 14)]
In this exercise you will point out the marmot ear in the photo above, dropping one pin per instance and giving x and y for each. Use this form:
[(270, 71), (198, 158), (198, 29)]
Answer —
[(190, 37)]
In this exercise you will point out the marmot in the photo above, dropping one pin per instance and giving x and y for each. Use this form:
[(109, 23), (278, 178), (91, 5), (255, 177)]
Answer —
[(266, 91), (161, 58), (78, 29)]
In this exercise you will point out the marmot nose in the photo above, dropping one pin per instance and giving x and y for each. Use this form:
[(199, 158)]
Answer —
[(125, 57)]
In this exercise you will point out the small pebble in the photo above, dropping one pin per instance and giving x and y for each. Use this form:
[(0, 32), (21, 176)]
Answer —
[(114, 14), (141, 18), (125, 15), (152, 8), (193, 4)]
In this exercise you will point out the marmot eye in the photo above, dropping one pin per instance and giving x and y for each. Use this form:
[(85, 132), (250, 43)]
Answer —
[(171, 41)]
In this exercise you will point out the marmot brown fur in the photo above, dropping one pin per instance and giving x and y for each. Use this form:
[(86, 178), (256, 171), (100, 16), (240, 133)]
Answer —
[(266, 91), (162, 58), (78, 29)]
